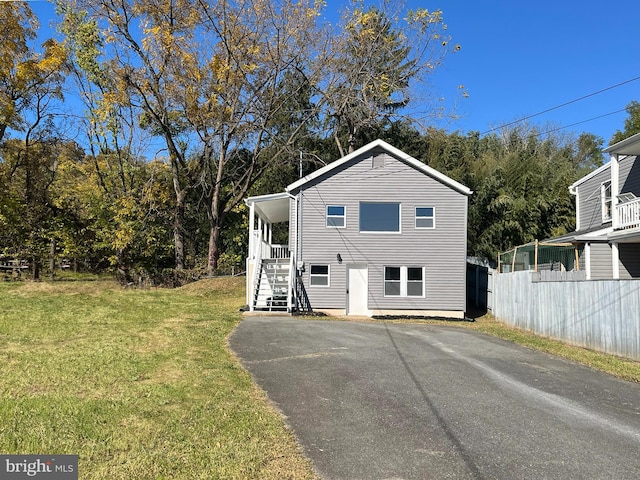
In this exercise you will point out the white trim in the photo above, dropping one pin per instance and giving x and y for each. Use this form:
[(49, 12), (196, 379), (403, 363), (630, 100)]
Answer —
[(328, 275), (433, 217), (580, 181), (603, 201), (404, 281), (615, 260), (399, 154), (377, 232), (587, 260), (343, 216)]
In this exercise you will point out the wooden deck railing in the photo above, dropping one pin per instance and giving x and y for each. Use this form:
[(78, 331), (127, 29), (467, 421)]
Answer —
[(628, 214)]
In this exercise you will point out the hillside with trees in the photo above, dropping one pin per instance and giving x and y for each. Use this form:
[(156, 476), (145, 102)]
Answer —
[(128, 146)]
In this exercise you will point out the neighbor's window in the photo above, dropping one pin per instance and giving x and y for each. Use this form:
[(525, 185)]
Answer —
[(607, 204), (319, 275), (404, 281), (379, 217), (336, 216), (425, 217)]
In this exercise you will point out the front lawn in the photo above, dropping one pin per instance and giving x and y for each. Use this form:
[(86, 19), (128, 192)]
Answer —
[(139, 384)]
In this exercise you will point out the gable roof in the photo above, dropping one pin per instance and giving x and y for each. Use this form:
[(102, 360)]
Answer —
[(399, 154), (601, 168)]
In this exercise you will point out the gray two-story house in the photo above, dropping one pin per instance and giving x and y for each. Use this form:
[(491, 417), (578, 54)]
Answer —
[(375, 233), (608, 214)]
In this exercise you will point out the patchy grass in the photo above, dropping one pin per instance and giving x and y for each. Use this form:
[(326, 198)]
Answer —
[(623, 368), (139, 384)]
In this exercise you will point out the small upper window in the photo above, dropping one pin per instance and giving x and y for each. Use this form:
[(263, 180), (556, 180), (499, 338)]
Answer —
[(379, 217), (607, 204), (319, 275), (425, 217), (336, 216)]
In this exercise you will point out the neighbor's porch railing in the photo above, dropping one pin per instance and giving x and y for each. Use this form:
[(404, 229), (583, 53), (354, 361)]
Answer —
[(628, 214)]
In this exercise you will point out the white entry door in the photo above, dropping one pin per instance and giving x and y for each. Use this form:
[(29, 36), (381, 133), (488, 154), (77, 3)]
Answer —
[(357, 290)]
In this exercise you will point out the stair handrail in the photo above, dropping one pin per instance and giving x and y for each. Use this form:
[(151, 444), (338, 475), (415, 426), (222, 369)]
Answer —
[(257, 271), (291, 290)]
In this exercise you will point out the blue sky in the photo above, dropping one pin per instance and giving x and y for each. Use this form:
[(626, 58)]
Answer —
[(519, 58)]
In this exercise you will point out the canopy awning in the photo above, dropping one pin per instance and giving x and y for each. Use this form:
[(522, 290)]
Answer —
[(273, 208)]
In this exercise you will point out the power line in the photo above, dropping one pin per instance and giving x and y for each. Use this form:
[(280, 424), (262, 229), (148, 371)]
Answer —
[(564, 105)]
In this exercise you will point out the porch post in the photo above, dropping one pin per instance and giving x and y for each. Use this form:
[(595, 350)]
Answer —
[(615, 260), (615, 191), (587, 260), (252, 220)]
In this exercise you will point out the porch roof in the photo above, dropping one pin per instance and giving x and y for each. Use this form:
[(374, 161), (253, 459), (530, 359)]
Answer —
[(628, 146), (274, 208)]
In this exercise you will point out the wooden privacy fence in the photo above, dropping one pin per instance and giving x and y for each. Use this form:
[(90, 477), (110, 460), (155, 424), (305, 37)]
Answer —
[(602, 315)]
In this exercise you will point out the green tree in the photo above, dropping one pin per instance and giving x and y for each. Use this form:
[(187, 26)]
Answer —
[(631, 124)]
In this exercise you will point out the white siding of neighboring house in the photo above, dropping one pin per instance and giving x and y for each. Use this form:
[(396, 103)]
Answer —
[(442, 251)]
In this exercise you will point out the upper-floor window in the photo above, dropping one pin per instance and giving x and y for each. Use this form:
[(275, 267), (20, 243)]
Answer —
[(379, 217), (336, 216), (607, 204), (425, 217)]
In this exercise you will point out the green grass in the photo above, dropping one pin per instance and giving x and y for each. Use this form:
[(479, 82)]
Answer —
[(139, 384), (620, 367)]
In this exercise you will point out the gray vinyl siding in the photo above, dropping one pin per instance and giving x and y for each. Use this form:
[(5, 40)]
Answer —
[(589, 201), (629, 258), (442, 251), (601, 264), (629, 175)]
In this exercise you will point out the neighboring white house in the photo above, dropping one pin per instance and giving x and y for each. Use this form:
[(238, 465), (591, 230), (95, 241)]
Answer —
[(374, 233), (608, 215)]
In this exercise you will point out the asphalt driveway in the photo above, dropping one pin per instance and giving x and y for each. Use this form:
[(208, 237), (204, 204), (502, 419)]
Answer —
[(374, 400)]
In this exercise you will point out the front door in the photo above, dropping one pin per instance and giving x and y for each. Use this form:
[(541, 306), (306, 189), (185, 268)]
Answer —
[(357, 290)]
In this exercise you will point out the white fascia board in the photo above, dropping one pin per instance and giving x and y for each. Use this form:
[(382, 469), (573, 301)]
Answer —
[(628, 146), (572, 187), (393, 151)]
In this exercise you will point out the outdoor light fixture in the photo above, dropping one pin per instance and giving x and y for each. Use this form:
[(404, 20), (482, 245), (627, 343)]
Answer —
[(339, 258)]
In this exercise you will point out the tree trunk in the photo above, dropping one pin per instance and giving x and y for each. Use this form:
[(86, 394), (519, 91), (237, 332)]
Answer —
[(52, 259), (178, 223), (214, 249)]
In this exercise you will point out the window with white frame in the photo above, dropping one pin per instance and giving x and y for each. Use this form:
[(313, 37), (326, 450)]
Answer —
[(336, 216), (425, 217), (403, 281), (319, 275), (607, 204), (380, 217)]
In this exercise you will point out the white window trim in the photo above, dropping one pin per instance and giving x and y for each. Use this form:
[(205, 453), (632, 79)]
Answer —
[(344, 217), (603, 201), (432, 217), (404, 280), (328, 275), (381, 232)]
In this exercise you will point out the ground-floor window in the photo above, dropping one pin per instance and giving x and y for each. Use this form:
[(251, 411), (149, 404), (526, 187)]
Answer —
[(319, 275), (403, 281)]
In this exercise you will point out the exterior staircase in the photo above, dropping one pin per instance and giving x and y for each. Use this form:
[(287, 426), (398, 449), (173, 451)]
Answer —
[(271, 292)]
